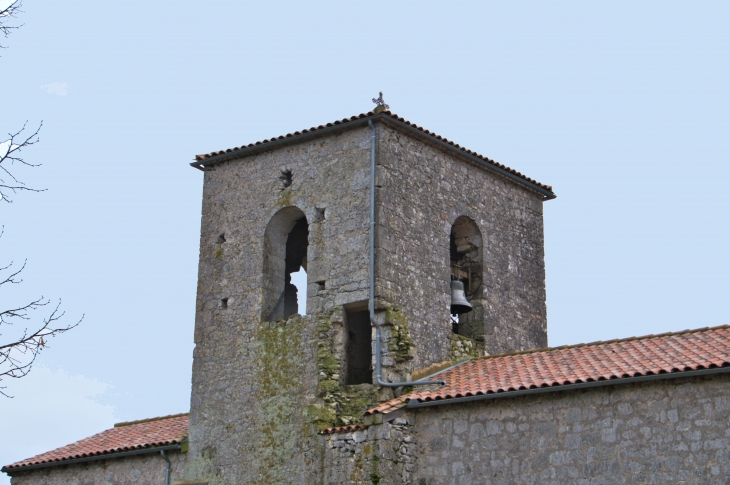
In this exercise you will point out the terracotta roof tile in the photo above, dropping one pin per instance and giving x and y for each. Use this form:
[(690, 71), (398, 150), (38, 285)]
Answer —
[(167, 430), (207, 156), (617, 359), (345, 429)]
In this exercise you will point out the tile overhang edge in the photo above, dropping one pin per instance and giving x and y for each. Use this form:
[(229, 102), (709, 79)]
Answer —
[(101, 456), (415, 403), (211, 161)]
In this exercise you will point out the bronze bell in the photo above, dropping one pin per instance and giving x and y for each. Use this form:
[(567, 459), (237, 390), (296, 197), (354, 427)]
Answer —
[(459, 303)]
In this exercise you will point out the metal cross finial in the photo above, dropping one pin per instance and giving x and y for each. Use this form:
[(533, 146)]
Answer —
[(381, 102)]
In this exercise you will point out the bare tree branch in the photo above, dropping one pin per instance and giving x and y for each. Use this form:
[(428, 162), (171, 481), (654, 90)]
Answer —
[(17, 356), (19, 352), (6, 14), (11, 277), (10, 155)]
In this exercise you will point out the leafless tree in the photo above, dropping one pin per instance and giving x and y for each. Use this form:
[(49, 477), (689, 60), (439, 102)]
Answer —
[(9, 156), (19, 352), (9, 12), (17, 141)]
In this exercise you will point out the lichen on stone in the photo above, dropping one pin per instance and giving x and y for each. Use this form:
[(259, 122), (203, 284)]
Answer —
[(464, 348), (347, 403), (321, 416), (285, 197), (400, 344), (278, 366)]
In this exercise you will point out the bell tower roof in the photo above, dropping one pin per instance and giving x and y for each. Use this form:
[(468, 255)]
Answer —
[(208, 160)]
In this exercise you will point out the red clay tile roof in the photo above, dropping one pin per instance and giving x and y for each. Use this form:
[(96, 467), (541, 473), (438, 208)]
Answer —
[(689, 350), (388, 115), (346, 429), (167, 430)]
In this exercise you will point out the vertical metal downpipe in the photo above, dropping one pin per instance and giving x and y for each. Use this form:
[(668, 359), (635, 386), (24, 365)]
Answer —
[(167, 470), (378, 332)]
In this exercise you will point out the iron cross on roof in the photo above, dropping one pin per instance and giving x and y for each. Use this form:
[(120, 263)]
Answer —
[(381, 102)]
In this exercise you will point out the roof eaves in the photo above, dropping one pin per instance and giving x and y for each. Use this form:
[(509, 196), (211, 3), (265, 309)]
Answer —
[(415, 403), (344, 429), (208, 161), (10, 470), (710, 339)]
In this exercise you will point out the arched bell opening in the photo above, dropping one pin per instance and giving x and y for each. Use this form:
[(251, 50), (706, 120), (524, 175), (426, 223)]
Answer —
[(285, 252), (467, 274)]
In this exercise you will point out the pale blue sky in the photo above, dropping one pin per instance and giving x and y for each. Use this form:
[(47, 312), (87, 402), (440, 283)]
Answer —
[(622, 106)]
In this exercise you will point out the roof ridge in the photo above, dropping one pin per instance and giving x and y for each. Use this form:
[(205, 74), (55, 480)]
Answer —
[(201, 159), (600, 342), (203, 156), (148, 420)]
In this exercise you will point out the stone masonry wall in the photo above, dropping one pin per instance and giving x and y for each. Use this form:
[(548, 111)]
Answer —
[(261, 390), (422, 190), (382, 454), (256, 400), (671, 431), (134, 470)]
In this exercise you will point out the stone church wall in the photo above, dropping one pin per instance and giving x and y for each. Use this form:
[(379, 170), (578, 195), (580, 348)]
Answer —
[(661, 432), (134, 470)]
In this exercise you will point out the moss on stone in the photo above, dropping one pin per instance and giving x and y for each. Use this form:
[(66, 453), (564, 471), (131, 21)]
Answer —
[(329, 385), (400, 343), (347, 402), (354, 406), (375, 476), (320, 416), (323, 324), (285, 197), (327, 363), (317, 412), (464, 348), (279, 366)]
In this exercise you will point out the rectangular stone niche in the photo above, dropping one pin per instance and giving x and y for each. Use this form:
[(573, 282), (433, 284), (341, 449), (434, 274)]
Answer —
[(358, 345)]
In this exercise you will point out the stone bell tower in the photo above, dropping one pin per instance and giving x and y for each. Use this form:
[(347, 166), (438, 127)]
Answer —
[(266, 379)]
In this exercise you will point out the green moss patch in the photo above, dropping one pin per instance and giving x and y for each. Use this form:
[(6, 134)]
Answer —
[(400, 344)]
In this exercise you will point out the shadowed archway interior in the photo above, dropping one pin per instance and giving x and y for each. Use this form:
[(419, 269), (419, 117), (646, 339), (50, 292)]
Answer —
[(285, 252)]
